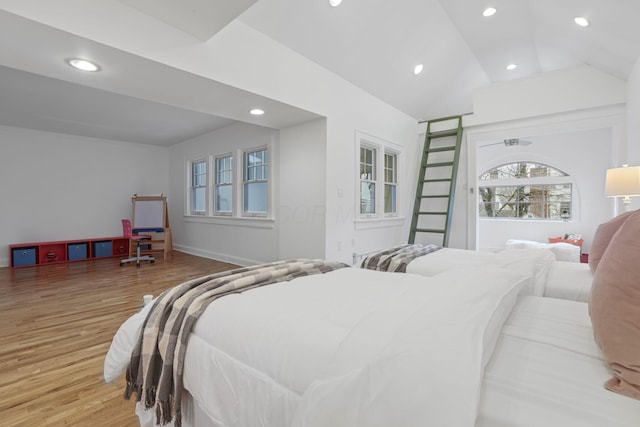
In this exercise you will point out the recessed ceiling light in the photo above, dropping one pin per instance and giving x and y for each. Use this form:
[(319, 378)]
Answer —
[(256, 112), (581, 21), (511, 67), (335, 3), (82, 64), (418, 69), (490, 11)]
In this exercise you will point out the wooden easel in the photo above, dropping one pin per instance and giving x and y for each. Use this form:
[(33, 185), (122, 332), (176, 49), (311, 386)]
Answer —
[(151, 216)]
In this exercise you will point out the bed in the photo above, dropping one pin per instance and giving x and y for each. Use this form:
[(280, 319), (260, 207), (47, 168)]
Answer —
[(549, 276), (354, 347)]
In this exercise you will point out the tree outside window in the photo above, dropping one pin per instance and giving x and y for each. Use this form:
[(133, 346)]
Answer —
[(525, 190)]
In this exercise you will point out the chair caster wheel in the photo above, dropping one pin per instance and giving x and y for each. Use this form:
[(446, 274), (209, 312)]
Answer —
[(121, 264), (137, 264), (153, 261)]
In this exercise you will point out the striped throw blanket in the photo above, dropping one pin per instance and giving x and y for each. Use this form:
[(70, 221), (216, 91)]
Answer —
[(155, 370), (397, 258)]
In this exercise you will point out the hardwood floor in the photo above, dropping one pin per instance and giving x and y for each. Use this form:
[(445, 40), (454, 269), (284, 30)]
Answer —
[(57, 324)]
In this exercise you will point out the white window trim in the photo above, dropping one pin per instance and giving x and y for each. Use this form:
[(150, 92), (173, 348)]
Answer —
[(382, 147), (269, 180), (524, 182), (214, 186), (395, 153), (237, 217), (375, 180), (189, 178)]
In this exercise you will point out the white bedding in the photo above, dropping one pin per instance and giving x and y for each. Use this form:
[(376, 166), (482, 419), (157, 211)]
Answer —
[(548, 371), (550, 278), (322, 352), (351, 347)]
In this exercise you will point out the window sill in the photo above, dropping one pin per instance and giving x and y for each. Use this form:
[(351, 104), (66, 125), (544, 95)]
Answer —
[(256, 222), (370, 223), (506, 219)]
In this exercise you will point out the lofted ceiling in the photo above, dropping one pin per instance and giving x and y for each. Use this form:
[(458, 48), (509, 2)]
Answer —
[(374, 44)]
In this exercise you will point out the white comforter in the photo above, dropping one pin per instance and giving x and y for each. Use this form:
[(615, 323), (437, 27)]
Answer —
[(547, 276), (352, 347)]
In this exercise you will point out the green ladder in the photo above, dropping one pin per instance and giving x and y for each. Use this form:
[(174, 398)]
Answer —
[(433, 207)]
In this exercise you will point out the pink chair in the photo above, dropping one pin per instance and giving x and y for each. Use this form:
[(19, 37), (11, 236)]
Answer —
[(139, 239)]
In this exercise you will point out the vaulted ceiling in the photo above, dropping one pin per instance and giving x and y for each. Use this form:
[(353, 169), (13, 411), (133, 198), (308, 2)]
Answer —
[(374, 44)]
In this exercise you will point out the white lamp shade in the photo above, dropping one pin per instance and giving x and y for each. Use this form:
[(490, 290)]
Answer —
[(624, 181)]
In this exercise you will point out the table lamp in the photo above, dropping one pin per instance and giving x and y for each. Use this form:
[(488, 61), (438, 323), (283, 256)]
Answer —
[(625, 182)]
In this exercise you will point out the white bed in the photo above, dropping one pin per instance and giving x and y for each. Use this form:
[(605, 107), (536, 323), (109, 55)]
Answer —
[(356, 347), (555, 279)]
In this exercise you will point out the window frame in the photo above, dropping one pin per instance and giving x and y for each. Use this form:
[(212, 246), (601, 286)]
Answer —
[(217, 184), (266, 179), (541, 181), (382, 148), (368, 180), (393, 183), (192, 188)]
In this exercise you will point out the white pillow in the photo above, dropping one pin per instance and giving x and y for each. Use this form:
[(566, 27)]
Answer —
[(563, 251)]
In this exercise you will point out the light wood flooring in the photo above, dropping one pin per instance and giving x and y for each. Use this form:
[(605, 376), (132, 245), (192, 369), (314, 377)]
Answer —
[(57, 323)]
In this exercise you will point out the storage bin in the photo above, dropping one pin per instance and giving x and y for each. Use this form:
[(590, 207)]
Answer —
[(24, 256), (77, 251), (101, 249)]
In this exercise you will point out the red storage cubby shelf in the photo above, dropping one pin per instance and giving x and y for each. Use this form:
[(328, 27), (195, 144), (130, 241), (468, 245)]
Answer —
[(120, 247), (52, 252), (24, 255)]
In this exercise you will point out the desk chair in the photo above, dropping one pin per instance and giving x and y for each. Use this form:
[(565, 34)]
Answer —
[(139, 239)]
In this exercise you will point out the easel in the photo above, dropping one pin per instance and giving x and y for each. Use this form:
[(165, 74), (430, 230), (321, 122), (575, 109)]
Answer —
[(151, 216)]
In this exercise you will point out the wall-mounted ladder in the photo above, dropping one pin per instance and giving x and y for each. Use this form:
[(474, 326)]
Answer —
[(433, 207)]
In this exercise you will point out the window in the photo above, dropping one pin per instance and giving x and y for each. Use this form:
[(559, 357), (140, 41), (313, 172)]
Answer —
[(367, 180), (199, 187), (525, 190), (224, 185), (378, 168), (390, 183), (256, 184)]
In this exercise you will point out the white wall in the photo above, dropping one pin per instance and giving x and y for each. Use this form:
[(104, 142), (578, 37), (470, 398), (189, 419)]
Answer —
[(557, 92), (633, 116), (301, 215), (236, 240), (242, 57), (577, 117), (581, 154), (632, 155), (60, 187)]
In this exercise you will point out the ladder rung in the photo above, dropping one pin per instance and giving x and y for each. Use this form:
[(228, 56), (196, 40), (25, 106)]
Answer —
[(437, 165), (434, 196), (445, 119), (437, 180), (443, 133), (439, 149), (429, 230), (432, 213)]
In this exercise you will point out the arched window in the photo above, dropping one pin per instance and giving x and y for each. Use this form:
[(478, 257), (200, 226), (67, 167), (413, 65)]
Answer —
[(527, 191)]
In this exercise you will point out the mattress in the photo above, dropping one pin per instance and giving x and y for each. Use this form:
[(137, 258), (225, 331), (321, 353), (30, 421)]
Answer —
[(557, 279)]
